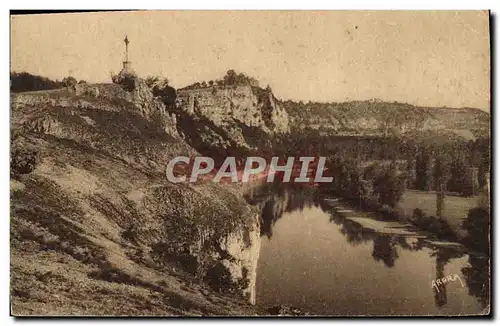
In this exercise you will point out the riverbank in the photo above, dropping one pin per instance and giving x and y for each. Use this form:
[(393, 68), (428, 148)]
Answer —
[(329, 259), (455, 208), (370, 220), (418, 209)]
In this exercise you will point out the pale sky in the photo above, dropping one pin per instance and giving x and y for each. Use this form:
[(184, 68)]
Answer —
[(430, 58)]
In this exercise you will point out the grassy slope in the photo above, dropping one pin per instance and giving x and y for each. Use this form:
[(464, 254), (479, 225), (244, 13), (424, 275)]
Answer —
[(70, 250)]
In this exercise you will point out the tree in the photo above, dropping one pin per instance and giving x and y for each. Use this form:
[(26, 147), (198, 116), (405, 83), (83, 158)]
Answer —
[(253, 82), (231, 77), (389, 186), (441, 175), (151, 81), (477, 224), (346, 177), (159, 86), (69, 81), (460, 180), (156, 82), (354, 188), (483, 163), (422, 169)]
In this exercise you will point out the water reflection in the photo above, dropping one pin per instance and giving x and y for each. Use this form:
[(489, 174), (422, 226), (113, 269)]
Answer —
[(353, 232), (416, 245), (416, 254), (384, 249), (477, 273), (477, 277), (443, 256), (275, 199)]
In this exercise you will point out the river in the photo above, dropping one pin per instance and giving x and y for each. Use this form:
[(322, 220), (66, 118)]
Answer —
[(320, 261)]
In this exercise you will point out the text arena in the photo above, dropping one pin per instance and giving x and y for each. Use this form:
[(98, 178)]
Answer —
[(303, 170)]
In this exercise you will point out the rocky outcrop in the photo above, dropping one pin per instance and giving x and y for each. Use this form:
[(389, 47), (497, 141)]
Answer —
[(210, 229), (143, 99), (152, 107), (234, 118), (244, 246), (48, 125), (249, 105), (83, 89)]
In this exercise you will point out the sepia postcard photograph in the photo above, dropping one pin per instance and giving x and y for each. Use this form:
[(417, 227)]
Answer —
[(250, 163)]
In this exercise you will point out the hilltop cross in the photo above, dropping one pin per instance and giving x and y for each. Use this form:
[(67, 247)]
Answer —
[(127, 65)]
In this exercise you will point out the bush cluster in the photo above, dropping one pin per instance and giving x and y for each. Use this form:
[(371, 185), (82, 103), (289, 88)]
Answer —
[(160, 88), (126, 80), (23, 161), (375, 185), (432, 224), (232, 78)]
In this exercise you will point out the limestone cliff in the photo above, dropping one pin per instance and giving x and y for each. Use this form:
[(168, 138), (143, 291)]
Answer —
[(249, 105), (233, 117)]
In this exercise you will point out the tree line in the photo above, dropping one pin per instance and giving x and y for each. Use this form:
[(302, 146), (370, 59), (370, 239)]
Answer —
[(376, 170), (231, 78), (26, 82)]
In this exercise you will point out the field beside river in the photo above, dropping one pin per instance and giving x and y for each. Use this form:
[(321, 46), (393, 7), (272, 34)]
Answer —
[(455, 207)]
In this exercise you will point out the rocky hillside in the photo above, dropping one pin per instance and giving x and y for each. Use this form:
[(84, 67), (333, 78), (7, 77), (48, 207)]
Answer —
[(95, 227), (383, 118)]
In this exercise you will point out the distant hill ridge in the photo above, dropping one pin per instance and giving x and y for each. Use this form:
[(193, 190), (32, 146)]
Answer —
[(390, 118)]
